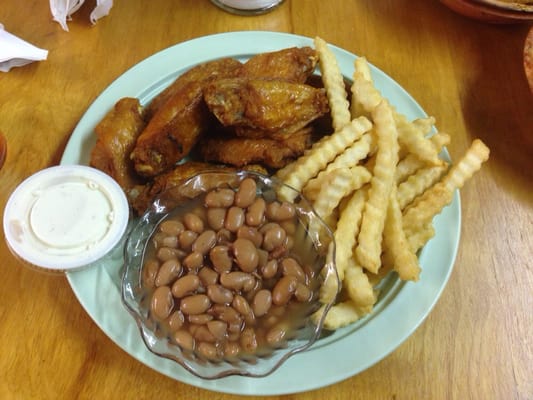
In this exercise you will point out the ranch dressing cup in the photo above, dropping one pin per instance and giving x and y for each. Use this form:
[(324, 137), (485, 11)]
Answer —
[(64, 218), (247, 7)]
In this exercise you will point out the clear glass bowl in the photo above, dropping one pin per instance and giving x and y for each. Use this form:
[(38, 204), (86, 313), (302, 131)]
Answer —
[(313, 237)]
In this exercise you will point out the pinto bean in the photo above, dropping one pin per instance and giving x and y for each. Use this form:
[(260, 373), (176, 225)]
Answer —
[(246, 193), (169, 271), (219, 294), (255, 214), (284, 289), (216, 217), (289, 266), (245, 254), (162, 302), (222, 197), (234, 219), (193, 222), (237, 280), (262, 302), (171, 227), (221, 259), (184, 339), (185, 285), (204, 242), (195, 304)]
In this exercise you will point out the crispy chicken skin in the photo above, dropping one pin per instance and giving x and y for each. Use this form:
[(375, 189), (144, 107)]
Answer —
[(224, 67), (270, 153), (294, 64), (262, 108), (172, 132), (116, 134)]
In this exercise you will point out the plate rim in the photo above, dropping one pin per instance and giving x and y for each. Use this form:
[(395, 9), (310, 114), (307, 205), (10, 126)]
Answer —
[(235, 384)]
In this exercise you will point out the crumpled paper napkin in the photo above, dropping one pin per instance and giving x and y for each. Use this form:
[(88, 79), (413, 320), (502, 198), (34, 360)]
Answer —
[(62, 10), (15, 52)]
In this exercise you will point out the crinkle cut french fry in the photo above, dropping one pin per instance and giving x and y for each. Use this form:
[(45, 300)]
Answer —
[(358, 286), (363, 69), (343, 314), (404, 260), (411, 163), (467, 166), (433, 200), (364, 94), (347, 229), (368, 249), (418, 183), (419, 238), (330, 287), (360, 176), (339, 184), (334, 85), (413, 139), (361, 65), (323, 152), (356, 152)]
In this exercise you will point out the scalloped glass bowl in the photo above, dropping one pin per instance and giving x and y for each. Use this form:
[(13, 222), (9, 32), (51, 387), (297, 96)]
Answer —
[(313, 238)]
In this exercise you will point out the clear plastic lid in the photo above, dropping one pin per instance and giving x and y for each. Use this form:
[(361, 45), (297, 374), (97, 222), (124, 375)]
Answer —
[(65, 217)]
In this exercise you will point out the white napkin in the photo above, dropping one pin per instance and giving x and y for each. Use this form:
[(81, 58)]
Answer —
[(15, 52), (62, 10)]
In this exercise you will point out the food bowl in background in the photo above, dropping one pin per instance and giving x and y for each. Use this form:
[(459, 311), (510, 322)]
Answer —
[(311, 244), (492, 11)]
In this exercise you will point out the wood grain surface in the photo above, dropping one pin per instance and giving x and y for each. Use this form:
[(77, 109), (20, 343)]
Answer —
[(477, 341)]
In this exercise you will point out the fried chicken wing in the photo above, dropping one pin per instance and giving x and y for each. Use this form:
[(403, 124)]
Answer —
[(239, 151), (294, 64), (172, 131), (268, 106), (116, 134), (224, 67)]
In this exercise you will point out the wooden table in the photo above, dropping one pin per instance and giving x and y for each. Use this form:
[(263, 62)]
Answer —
[(477, 341)]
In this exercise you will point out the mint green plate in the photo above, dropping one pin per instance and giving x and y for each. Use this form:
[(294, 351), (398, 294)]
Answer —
[(342, 354)]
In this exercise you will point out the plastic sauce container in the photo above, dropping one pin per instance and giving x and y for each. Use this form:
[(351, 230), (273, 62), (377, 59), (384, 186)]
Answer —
[(65, 217)]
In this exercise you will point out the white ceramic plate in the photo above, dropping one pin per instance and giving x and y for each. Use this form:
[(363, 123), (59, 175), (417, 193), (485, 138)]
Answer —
[(347, 351)]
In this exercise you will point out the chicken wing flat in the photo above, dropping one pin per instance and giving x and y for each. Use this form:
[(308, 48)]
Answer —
[(224, 67), (267, 106), (294, 64), (239, 151), (172, 131), (116, 135)]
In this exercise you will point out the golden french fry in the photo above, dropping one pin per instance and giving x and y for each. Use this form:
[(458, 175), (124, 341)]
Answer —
[(413, 139), (330, 287), (363, 69), (361, 65), (368, 250), (424, 125), (364, 94), (411, 163), (347, 159), (339, 184), (359, 176), (343, 314), (418, 239), (347, 229), (418, 183), (433, 200), (358, 285), (404, 260), (334, 85), (323, 152)]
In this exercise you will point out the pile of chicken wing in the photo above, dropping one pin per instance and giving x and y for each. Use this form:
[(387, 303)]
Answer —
[(260, 114)]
